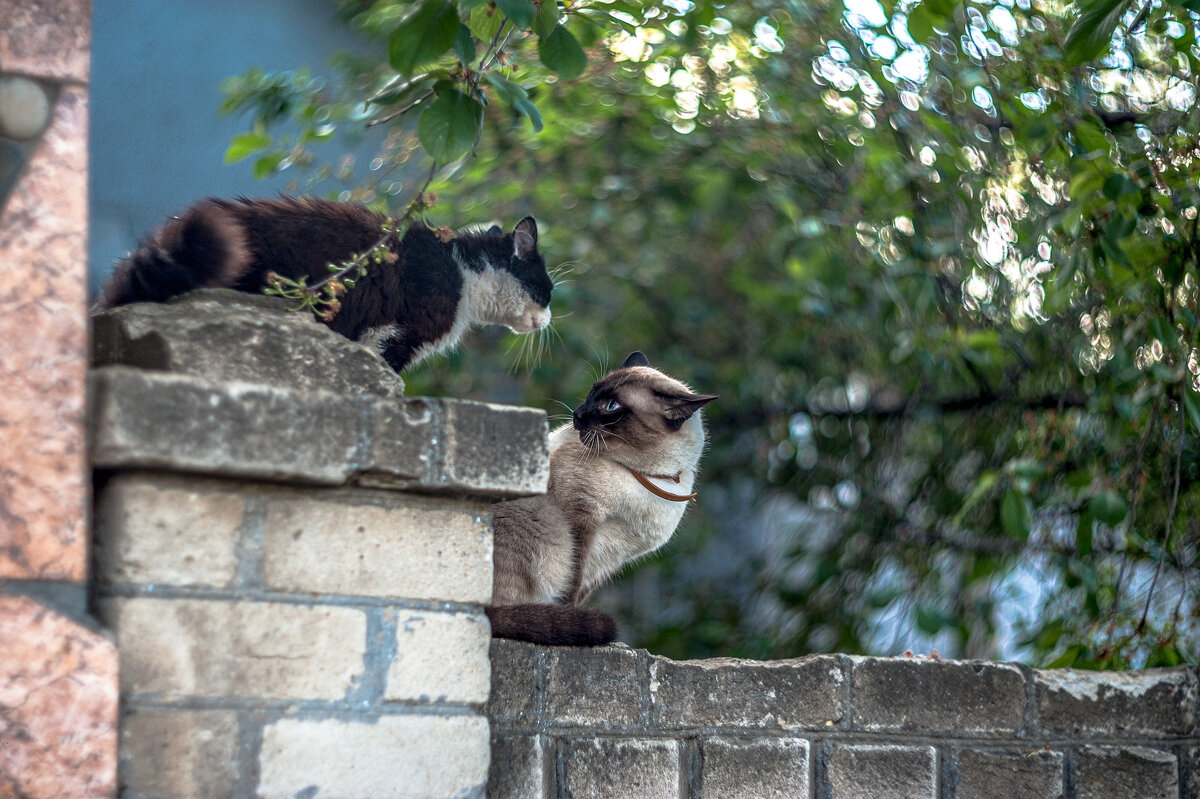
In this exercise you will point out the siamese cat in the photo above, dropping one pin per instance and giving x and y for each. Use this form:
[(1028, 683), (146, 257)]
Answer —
[(621, 476), (437, 287)]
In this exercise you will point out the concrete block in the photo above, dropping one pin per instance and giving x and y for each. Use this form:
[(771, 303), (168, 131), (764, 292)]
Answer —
[(516, 688), (520, 768), (897, 695), (984, 774), (232, 336), (598, 687), (615, 768), (497, 448), (1149, 702), (1109, 772), (762, 768), (152, 530), (394, 757), (187, 754), (440, 657), (264, 650), (722, 692), (883, 772), (181, 422), (405, 547)]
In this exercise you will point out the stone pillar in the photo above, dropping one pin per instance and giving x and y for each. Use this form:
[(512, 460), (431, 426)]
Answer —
[(294, 557), (57, 672)]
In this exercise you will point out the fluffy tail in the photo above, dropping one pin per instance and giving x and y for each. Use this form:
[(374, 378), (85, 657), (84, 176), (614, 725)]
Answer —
[(205, 247), (552, 625)]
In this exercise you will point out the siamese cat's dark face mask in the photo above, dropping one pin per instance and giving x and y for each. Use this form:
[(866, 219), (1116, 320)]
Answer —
[(635, 407)]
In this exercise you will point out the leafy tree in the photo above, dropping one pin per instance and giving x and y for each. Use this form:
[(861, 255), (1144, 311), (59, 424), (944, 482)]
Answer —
[(939, 260)]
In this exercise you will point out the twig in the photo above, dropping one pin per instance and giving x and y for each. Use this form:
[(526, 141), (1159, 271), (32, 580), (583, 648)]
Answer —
[(400, 111), (1170, 527)]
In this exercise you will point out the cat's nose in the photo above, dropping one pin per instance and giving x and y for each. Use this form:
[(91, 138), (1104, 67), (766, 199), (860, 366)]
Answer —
[(577, 419)]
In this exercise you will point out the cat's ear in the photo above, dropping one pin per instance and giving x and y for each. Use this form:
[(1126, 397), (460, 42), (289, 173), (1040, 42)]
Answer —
[(525, 238), (635, 359), (678, 408)]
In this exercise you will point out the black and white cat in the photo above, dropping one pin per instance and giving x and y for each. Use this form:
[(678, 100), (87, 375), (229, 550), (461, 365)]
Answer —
[(436, 289), (621, 476)]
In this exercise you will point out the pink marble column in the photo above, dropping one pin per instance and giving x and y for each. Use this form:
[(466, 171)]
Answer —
[(58, 679)]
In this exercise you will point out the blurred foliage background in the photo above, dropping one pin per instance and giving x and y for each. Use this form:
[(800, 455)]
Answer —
[(938, 259)]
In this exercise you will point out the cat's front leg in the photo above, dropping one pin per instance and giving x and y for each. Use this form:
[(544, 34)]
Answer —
[(399, 352)]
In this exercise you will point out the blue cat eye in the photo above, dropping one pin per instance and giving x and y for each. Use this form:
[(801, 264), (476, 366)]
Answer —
[(612, 406)]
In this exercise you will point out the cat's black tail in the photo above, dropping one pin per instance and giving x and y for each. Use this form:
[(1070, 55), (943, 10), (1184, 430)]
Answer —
[(205, 247), (552, 625)]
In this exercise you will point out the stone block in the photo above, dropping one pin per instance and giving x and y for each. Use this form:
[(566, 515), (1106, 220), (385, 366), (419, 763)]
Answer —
[(181, 422), (232, 336), (187, 754), (402, 438), (1109, 772), (898, 695), (762, 768), (520, 768), (440, 657), (804, 693), (1149, 702), (516, 687), (615, 768), (985, 774), (48, 38), (497, 448), (44, 477), (58, 705), (153, 530), (180, 648), (599, 687), (398, 546), (883, 772), (394, 757)]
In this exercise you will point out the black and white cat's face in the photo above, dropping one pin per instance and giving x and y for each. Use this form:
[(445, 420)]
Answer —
[(506, 279), (637, 409)]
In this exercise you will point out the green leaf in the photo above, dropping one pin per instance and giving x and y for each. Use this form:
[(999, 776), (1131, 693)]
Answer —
[(423, 36), (1192, 406), (1083, 535), (1089, 37), (1016, 514), (519, 11), (515, 95), (464, 44), (485, 22), (561, 52), (547, 18), (920, 23), (449, 125), (1108, 507), (247, 144)]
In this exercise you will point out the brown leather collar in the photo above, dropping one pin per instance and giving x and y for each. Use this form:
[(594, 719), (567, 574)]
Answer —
[(658, 492)]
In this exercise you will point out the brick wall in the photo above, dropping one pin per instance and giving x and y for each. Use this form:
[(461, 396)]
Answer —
[(293, 556), (619, 723)]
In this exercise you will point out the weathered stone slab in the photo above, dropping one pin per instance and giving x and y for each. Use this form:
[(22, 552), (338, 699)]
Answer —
[(520, 768), (394, 757), (597, 687), (516, 689), (48, 38), (1149, 702), (496, 448), (895, 695), (607, 768), (984, 774), (178, 648), (1108, 772), (186, 753), (440, 657), (165, 531), (44, 479), (233, 336), (883, 772), (724, 692), (58, 705), (403, 547), (762, 768)]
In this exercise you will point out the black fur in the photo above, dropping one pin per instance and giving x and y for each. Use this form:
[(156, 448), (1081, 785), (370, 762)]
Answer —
[(236, 244), (552, 625)]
